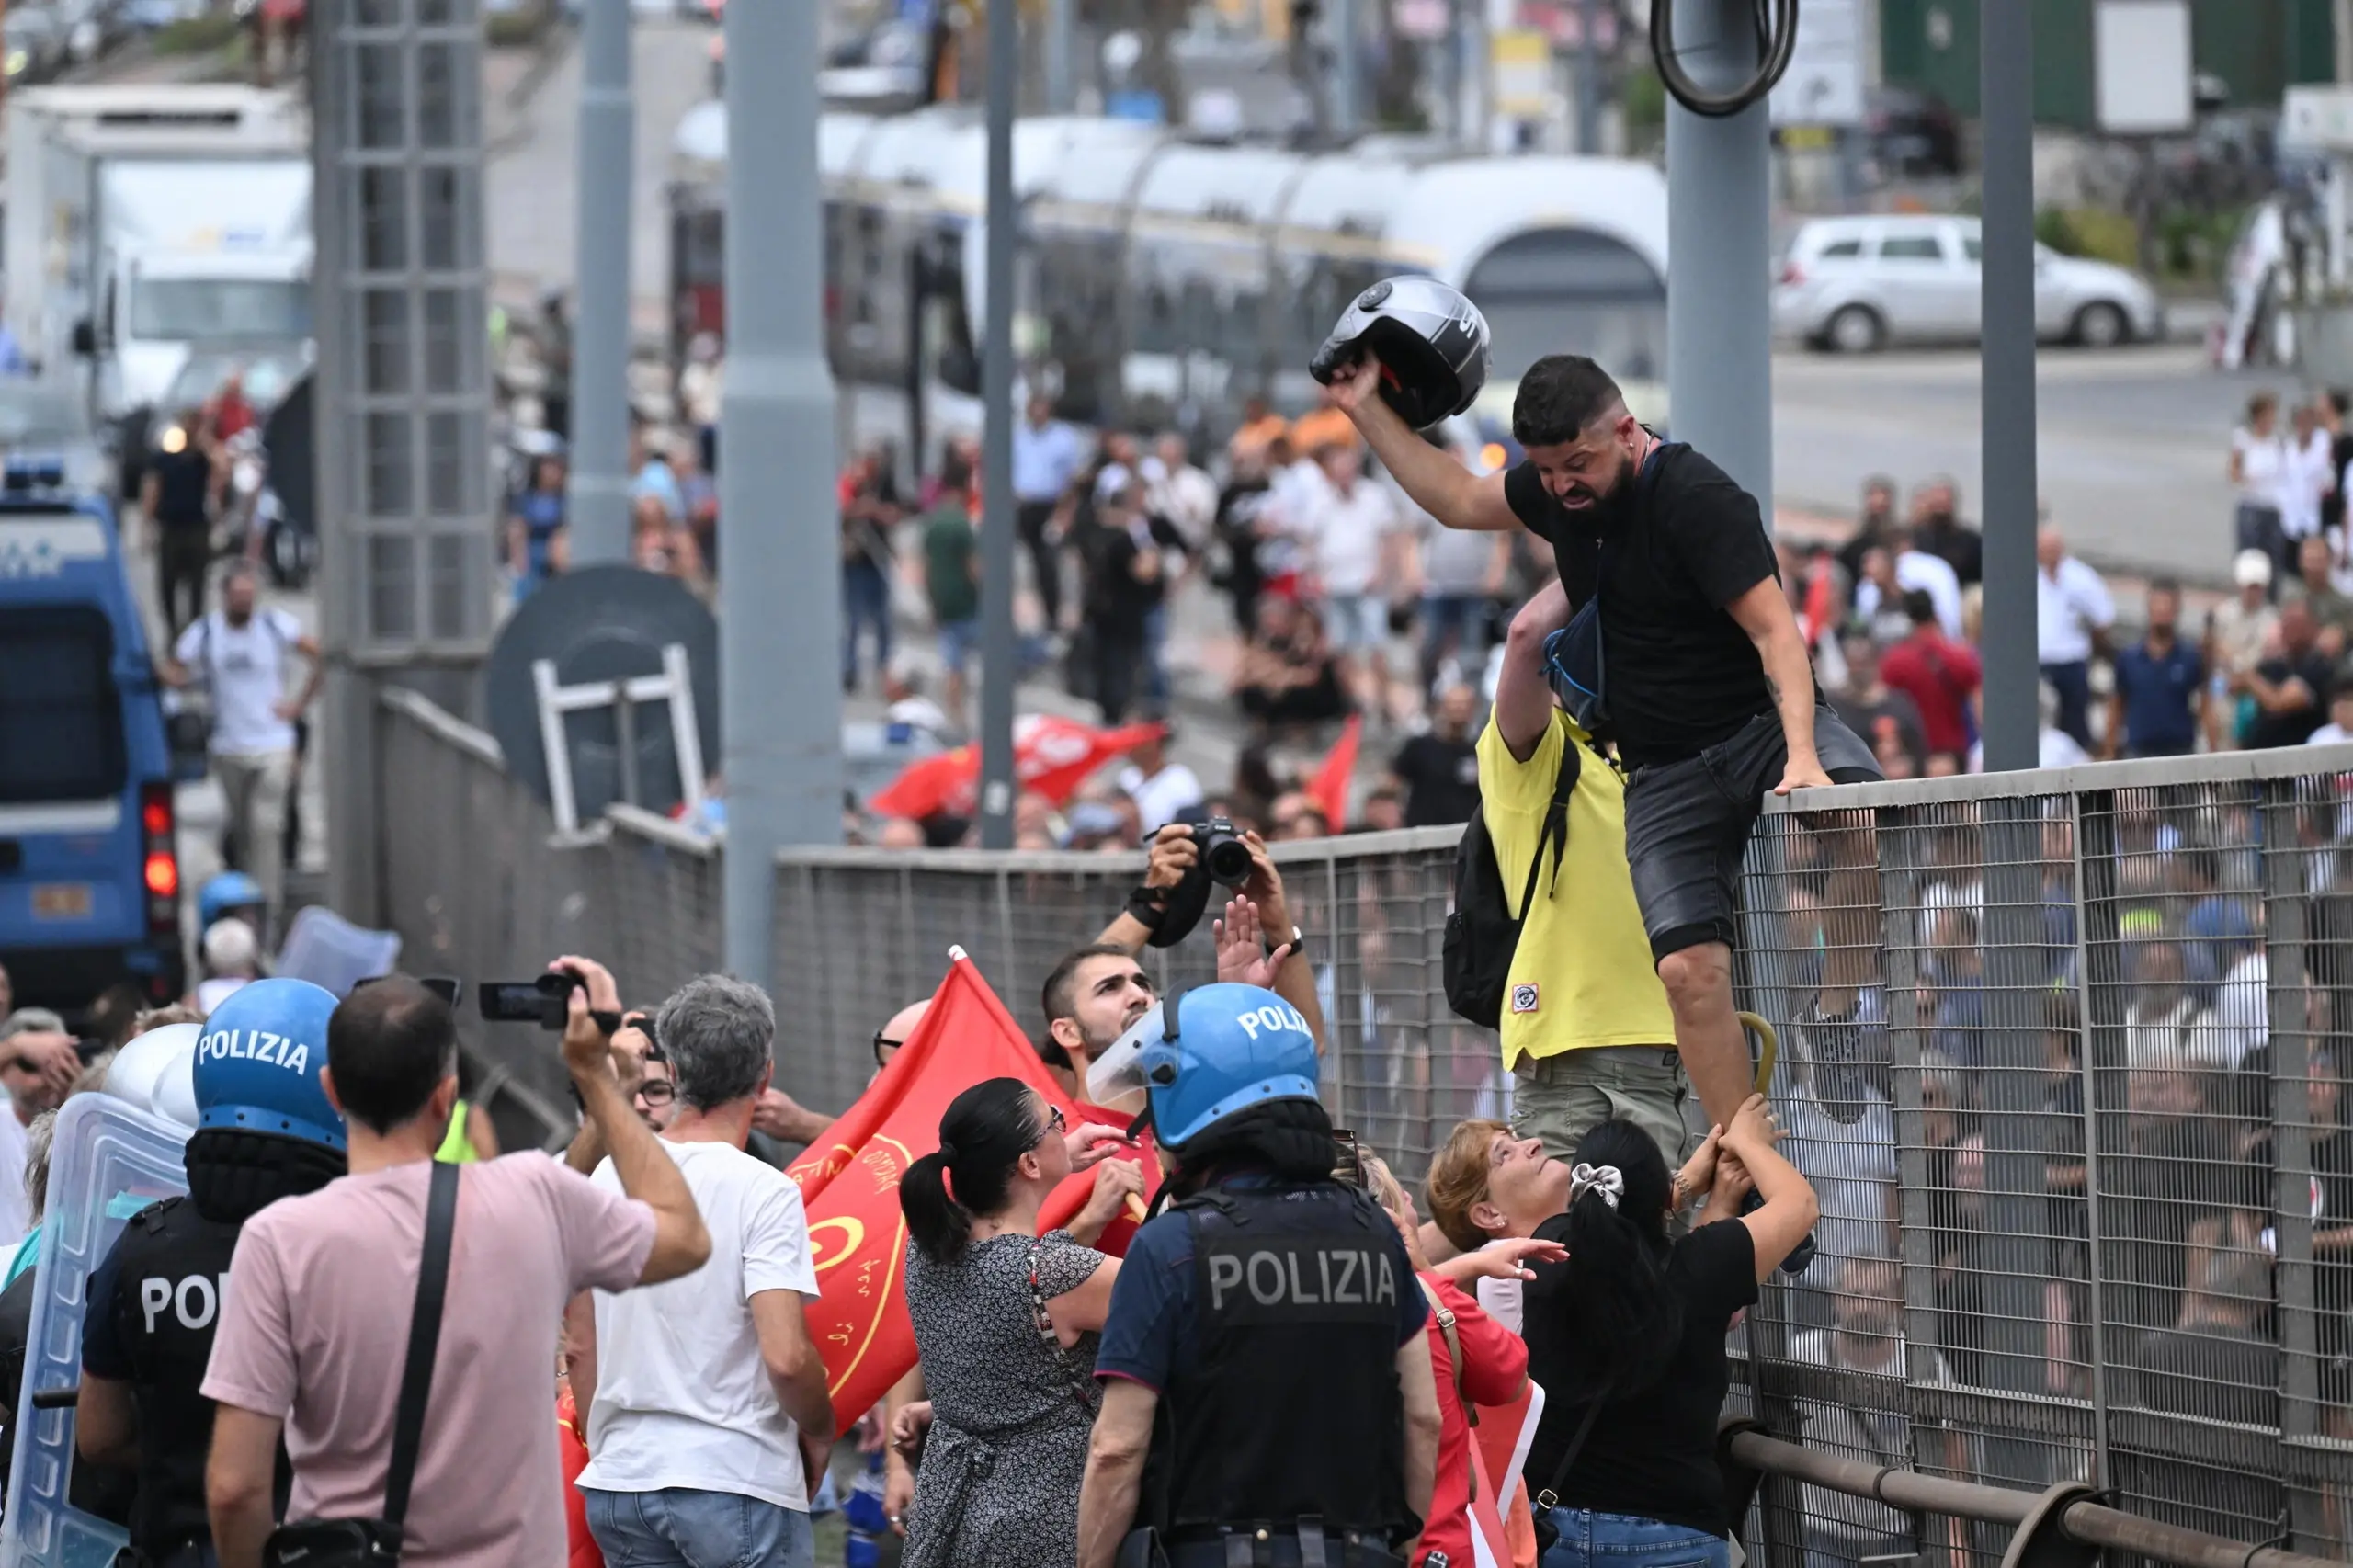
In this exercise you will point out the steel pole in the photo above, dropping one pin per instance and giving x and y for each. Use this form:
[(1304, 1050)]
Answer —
[(1719, 364), (2012, 717), (997, 655), (1589, 78), (1346, 65), (2016, 961), (779, 581), (346, 741), (596, 493), (1061, 93)]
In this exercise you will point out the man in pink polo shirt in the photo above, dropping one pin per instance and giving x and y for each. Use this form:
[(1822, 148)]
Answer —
[(314, 1327)]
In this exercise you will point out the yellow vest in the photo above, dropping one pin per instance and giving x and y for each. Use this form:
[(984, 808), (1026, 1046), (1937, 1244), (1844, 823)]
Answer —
[(457, 1149)]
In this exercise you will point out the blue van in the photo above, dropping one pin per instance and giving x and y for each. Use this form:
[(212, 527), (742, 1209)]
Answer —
[(89, 871)]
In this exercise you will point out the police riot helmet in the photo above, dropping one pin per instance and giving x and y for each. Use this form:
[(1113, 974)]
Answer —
[(1431, 342), (1206, 1054), (224, 891), (155, 1072), (258, 1064)]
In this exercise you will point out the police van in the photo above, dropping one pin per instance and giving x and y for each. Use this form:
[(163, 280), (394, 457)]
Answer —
[(89, 874)]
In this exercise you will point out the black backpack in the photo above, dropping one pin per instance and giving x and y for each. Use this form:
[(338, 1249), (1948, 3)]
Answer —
[(1481, 932)]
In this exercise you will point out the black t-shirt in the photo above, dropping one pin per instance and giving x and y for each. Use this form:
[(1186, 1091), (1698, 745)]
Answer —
[(1441, 778), (2293, 726), (182, 479), (1653, 1453), (1679, 674), (1958, 545)]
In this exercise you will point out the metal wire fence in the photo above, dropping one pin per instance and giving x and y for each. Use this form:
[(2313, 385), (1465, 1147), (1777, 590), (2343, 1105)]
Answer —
[(2063, 1054)]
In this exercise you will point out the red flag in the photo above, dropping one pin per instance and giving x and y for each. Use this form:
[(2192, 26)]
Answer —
[(1330, 784), (850, 1184), (1050, 755)]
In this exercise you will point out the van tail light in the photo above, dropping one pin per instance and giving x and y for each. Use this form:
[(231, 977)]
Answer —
[(159, 860), (1792, 274)]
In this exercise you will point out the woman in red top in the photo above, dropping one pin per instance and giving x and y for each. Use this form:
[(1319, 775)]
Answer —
[(1494, 1360)]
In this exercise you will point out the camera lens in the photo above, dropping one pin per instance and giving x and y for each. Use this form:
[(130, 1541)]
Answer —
[(1228, 859)]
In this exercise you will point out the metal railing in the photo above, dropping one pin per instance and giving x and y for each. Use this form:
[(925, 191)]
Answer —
[(2062, 1054)]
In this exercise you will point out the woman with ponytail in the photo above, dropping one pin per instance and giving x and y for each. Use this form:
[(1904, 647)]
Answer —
[(1005, 1324), (1627, 1339)]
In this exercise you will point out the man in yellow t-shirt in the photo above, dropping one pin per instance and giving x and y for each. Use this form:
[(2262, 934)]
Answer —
[(1586, 1027)]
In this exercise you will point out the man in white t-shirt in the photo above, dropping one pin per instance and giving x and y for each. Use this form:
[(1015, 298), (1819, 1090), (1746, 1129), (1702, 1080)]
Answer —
[(708, 1412), (1163, 789), (2072, 613), (1354, 530), (240, 654)]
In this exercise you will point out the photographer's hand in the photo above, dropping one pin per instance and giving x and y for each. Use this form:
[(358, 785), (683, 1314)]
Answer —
[(1264, 887), (647, 1173), (1173, 853)]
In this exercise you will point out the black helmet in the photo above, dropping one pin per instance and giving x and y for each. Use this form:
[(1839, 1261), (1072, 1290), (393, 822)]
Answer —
[(1431, 342)]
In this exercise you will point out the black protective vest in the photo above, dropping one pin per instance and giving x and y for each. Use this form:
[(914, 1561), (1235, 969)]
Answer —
[(1289, 1409), (170, 1267)]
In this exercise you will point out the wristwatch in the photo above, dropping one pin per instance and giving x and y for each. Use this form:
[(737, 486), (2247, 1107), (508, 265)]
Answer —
[(1298, 940)]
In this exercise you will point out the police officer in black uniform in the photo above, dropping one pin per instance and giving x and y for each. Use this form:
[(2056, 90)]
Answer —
[(267, 1132), (1268, 1398)]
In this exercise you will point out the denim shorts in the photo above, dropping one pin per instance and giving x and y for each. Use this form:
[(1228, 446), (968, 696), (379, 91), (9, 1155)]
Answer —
[(1355, 621), (680, 1527), (957, 639), (1687, 823), (1588, 1539)]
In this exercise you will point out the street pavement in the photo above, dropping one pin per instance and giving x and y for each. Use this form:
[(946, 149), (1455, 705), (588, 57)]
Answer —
[(2132, 442)]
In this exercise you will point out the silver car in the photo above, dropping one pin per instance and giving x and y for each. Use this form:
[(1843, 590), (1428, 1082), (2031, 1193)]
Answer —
[(1856, 284)]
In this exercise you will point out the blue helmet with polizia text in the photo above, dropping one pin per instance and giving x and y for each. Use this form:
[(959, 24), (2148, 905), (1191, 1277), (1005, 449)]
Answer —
[(258, 1061), (224, 892), (1202, 1055)]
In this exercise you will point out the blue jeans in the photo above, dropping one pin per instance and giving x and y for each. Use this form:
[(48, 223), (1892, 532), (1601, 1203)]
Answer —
[(866, 601), (681, 1529), (1456, 624), (1618, 1540), (2073, 682)]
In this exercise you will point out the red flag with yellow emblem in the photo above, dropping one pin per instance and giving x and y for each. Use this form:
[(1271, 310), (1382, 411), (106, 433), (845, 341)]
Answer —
[(849, 1182)]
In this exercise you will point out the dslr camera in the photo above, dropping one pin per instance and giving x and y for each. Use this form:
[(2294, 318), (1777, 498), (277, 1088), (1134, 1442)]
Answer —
[(1224, 855)]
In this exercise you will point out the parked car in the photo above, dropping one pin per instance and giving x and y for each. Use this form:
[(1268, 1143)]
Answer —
[(1857, 284)]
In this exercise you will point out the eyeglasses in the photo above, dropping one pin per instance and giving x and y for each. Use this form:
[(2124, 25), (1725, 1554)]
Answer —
[(657, 1091), (1055, 1121), (882, 1042)]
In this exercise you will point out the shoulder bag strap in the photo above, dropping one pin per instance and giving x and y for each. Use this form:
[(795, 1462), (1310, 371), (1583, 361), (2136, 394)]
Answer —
[(1555, 828), (424, 1335), (1550, 1498)]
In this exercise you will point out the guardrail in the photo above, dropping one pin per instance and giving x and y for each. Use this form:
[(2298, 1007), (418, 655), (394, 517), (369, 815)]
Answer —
[(2064, 1525)]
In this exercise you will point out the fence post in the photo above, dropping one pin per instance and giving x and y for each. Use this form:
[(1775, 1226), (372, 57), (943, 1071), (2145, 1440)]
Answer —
[(2098, 994), (2285, 925), (2016, 1159)]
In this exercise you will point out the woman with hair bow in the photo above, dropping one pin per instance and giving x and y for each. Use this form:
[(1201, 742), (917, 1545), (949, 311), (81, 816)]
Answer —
[(1627, 1338)]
